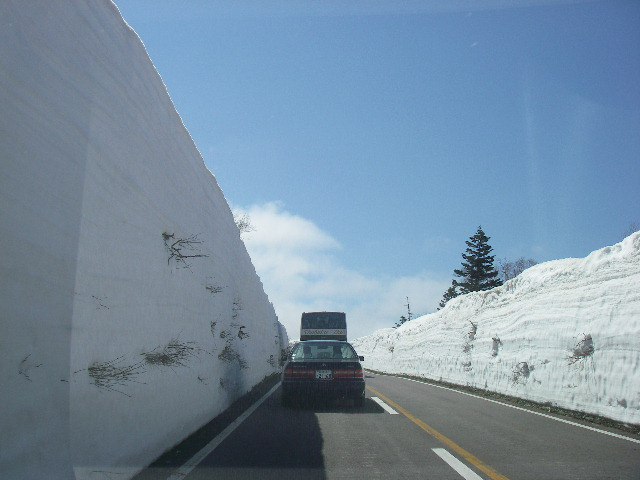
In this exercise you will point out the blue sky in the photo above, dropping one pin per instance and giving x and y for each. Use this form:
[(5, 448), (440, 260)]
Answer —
[(379, 135)]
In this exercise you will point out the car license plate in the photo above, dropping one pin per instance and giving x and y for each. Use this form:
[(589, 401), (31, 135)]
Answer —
[(323, 375)]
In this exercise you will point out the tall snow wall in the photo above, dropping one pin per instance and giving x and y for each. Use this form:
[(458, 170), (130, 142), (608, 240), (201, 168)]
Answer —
[(564, 332), (130, 311)]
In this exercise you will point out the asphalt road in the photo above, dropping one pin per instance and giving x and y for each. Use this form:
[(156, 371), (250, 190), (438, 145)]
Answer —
[(435, 433)]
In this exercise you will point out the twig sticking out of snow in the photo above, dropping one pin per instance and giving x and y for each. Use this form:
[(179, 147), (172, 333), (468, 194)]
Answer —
[(25, 366), (181, 249), (214, 288), (174, 354), (109, 374), (229, 354)]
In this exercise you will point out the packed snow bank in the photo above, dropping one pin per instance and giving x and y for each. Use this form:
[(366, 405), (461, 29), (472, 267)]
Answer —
[(565, 332), (131, 312)]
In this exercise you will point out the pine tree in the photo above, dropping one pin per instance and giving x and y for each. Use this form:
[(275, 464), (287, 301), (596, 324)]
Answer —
[(452, 292), (477, 272), (402, 320)]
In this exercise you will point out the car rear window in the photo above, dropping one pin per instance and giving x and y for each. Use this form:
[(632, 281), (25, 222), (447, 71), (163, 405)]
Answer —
[(324, 350)]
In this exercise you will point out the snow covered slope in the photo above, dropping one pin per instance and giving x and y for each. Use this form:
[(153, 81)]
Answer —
[(130, 311), (565, 332)]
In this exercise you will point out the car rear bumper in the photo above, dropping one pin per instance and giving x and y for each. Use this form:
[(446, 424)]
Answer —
[(323, 388)]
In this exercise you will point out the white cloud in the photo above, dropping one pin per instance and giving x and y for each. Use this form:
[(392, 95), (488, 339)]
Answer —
[(281, 230), (300, 267)]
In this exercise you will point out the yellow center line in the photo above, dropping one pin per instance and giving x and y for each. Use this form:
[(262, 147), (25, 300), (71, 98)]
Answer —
[(440, 437)]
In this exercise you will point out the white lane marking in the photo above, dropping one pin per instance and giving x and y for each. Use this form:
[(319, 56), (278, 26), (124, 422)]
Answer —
[(562, 420), (384, 405), (456, 464), (193, 462)]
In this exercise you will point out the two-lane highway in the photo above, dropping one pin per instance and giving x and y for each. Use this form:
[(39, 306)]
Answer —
[(408, 430)]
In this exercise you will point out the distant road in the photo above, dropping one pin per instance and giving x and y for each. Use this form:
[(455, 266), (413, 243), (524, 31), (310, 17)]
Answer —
[(413, 430)]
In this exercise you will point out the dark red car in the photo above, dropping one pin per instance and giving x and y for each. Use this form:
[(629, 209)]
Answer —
[(323, 369)]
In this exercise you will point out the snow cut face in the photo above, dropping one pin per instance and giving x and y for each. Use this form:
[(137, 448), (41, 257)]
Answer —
[(564, 332), (135, 314)]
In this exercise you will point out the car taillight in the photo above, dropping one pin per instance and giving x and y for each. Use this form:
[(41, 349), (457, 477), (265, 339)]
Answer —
[(348, 372), (298, 372)]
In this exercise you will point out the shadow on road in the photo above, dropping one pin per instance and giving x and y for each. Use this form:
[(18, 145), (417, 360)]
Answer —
[(274, 442), (324, 405)]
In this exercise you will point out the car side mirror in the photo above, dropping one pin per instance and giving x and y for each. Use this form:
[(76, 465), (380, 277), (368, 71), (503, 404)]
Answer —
[(284, 357), (361, 358)]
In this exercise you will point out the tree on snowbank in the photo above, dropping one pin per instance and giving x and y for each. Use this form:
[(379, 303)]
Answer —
[(452, 292), (477, 272), (511, 269)]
